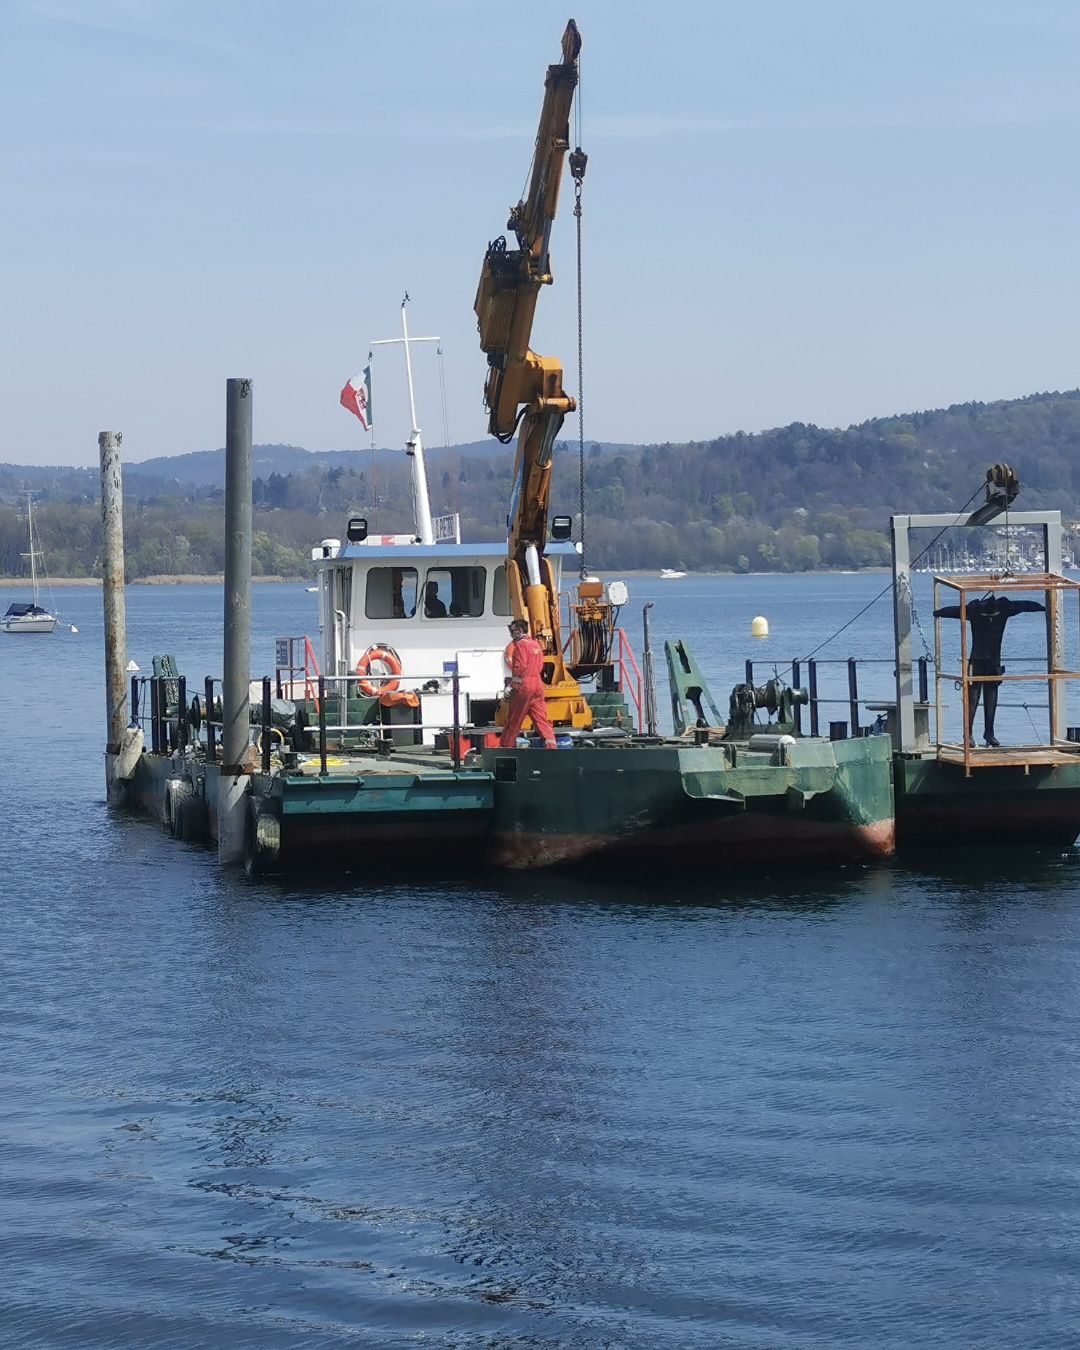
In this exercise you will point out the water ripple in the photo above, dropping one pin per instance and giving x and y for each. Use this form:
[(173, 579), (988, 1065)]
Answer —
[(758, 1111)]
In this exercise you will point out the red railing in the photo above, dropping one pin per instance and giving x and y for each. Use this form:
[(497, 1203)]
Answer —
[(626, 655), (311, 673), (630, 681), (296, 657)]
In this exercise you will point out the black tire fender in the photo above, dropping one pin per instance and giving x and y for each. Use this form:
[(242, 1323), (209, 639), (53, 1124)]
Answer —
[(193, 823), (262, 839)]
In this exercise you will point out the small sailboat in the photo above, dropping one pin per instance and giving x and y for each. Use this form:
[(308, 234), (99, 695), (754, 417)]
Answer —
[(32, 617)]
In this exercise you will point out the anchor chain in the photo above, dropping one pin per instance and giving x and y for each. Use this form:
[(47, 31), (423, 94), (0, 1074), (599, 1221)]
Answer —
[(908, 592)]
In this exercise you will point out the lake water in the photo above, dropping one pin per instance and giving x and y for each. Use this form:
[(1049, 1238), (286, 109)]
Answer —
[(765, 1111)]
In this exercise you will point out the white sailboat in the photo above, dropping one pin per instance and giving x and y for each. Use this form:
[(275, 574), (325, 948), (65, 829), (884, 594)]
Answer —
[(33, 617)]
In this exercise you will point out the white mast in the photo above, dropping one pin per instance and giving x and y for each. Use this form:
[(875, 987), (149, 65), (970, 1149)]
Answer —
[(33, 555), (414, 447)]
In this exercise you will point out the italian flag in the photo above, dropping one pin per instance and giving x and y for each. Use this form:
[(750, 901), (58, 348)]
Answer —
[(356, 397)]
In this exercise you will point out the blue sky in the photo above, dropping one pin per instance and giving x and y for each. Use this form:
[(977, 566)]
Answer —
[(794, 211)]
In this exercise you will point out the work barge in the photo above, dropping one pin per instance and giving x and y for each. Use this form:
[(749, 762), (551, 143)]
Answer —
[(338, 760), (377, 743), (388, 738)]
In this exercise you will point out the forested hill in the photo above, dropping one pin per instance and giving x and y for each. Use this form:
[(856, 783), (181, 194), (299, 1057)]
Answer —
[(792, 498)]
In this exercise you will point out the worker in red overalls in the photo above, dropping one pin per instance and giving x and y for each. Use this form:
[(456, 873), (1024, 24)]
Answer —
[(525, 657)]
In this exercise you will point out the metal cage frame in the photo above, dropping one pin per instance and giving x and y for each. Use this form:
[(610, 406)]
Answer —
[(1049, 523)]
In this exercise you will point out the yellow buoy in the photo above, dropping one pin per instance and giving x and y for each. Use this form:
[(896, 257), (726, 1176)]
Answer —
[(759, 626)]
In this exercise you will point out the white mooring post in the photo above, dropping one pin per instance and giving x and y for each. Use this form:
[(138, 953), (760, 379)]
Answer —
[(112, 591), (236, 728)]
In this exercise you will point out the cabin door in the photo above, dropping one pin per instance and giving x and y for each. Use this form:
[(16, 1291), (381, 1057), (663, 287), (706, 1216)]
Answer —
[(340, 620)]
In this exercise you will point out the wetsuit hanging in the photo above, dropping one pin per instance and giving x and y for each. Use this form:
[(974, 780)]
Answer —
[(987, 618)]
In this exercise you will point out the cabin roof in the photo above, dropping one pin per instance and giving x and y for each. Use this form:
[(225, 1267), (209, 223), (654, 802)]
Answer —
[(402, 553)]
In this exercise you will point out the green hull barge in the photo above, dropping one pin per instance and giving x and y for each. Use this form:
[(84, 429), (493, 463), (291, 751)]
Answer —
[(611, 798), (810, 801), (667, 803)]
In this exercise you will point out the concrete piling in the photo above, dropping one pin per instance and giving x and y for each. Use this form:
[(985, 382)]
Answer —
[(236, 713), (112, 590)]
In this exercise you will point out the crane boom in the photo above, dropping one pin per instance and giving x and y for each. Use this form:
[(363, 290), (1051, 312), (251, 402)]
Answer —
[(524, 392), (511, 278)]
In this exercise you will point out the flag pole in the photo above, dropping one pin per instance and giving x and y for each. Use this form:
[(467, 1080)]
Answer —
[(414, 447)]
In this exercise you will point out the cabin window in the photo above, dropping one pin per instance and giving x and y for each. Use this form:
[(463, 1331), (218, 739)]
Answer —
[(454, 592), (391, 593), (500, 595)]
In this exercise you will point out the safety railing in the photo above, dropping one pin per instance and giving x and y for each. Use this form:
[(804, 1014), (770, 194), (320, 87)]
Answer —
[(339, 684), (295, 657), (845, 683), (630, 681), (852, 698), (159, 705)]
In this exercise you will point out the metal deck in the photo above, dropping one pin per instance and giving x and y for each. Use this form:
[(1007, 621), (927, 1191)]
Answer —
[(417, 760)]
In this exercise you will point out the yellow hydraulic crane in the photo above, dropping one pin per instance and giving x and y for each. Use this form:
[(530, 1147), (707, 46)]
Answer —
[(524, 392)]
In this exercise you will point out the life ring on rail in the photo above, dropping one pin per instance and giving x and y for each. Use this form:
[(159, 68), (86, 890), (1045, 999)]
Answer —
[(378, 661)]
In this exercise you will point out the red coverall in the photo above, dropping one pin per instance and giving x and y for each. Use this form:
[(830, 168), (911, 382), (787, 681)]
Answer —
[(526, 660)]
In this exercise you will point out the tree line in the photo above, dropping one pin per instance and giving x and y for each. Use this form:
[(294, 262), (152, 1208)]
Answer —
[(791, 499)]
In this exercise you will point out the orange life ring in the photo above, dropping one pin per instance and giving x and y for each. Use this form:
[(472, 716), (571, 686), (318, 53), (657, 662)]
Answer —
[(390, 663)]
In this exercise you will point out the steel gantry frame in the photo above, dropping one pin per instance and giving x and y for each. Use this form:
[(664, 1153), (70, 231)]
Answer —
[(1049, 523)]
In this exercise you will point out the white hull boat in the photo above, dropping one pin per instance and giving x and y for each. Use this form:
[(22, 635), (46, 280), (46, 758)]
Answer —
[(670, 574), (29, 617)]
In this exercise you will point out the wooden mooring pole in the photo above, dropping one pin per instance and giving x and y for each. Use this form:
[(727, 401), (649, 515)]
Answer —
[(236, 712), (112, 590)]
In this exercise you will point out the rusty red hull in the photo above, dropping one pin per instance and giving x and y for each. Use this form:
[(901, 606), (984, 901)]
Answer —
[(748, 842)]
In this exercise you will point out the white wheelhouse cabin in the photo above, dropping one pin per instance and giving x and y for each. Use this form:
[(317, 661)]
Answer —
[(436, 607)]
